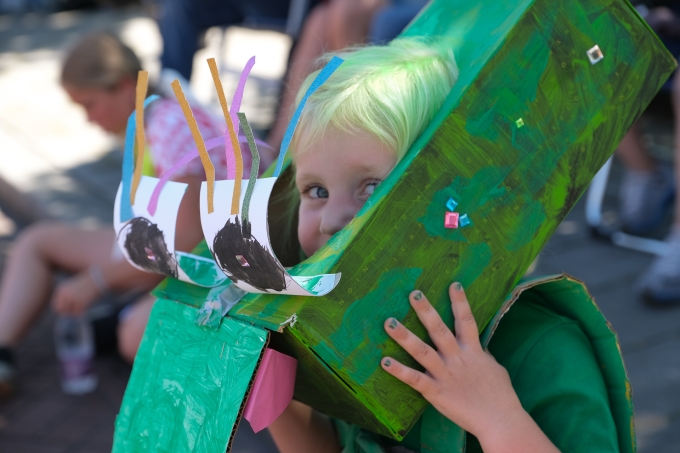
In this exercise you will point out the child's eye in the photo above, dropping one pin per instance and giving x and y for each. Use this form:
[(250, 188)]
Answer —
[(317, 192), (370, 188)]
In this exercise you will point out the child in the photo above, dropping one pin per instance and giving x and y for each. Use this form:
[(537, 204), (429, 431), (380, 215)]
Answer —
[(354, 130), (100, 74)]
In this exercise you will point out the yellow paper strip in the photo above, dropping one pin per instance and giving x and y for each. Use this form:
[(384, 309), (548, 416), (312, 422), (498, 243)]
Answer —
[(142, 86), (200, 144), (232, 135)]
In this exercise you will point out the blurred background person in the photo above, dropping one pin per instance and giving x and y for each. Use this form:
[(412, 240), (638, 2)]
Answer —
[(182, 23), (332, 26), (649, 186), (100, 74)]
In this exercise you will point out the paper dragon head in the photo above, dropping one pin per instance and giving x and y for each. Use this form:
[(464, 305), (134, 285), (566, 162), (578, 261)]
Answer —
[(233, 212)]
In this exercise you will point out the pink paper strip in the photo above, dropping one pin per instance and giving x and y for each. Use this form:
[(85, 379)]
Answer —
[(235, 107), (272, 390), (188, 157), (185, 159)]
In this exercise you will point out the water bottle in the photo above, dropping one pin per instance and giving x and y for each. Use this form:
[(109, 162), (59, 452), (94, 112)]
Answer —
[(75, 350)]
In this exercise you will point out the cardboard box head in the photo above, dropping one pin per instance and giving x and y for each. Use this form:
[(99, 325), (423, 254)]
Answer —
[(545, 93)]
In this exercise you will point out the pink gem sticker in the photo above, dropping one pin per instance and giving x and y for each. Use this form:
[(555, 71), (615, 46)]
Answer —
[(242, 261), (451, 220)]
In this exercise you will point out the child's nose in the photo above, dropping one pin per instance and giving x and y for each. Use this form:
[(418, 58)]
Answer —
[(335, 217)]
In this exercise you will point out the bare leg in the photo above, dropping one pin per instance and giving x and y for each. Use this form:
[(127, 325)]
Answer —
[(301, 429), (632, 152), (351, 21), (27, 280), (131, 328)]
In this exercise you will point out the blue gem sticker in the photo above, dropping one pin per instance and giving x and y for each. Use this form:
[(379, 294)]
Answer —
[(451, 204), (463, 220)]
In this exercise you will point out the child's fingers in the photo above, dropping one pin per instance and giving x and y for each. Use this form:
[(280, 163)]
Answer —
[(415, 379), (466, 326), (441, 335), (423, 353)]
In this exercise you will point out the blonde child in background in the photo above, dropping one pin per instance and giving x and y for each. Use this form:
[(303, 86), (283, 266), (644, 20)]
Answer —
[(100, 74)]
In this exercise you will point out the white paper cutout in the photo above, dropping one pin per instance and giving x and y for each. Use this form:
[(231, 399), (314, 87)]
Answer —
[(263, 272), (148, 242)]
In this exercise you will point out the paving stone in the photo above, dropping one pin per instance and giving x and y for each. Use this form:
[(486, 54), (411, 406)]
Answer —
[(38, 417), (27, 446), (639, 326), (655, 375), (664, 438)]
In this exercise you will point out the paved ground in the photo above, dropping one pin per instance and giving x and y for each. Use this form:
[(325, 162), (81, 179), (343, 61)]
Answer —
[(70, 171)]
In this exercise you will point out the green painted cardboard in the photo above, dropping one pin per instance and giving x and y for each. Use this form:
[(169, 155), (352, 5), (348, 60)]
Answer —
[(515, 179), (516, 143), (189, 383), (570, 297), (565, 296)]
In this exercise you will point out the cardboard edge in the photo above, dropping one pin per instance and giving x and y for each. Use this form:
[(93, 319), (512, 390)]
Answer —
[(629, 388), (239, 417), (649, 28), (492, 325)]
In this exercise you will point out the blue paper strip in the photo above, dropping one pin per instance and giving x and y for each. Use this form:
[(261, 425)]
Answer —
[(129, 163), (451, 204), (323, 75)]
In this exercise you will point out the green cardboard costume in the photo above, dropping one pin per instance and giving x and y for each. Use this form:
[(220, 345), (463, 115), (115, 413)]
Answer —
[(564, 363), (545, 93)]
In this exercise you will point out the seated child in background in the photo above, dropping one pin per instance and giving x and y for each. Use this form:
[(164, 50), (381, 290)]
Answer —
[(353, 131)]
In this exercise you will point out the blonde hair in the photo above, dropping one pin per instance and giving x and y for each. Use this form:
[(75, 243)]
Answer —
[(99, 60), (391, 92)]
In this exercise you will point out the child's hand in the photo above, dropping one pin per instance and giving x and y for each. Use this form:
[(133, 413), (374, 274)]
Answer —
[(74, 295), (461, 380)]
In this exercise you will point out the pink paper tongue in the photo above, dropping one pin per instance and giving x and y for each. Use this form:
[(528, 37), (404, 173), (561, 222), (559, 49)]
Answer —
[(272, 390)]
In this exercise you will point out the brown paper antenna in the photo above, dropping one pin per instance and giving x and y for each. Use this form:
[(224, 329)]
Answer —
[(142, 86), (200, 144), (236, 198)]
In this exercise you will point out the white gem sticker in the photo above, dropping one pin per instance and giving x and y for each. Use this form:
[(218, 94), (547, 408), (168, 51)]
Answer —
[(595, 54)]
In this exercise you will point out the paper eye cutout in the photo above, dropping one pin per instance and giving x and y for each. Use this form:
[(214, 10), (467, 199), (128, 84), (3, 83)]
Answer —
[(145, 246), (235, 248), (147, 239), (243, 231)]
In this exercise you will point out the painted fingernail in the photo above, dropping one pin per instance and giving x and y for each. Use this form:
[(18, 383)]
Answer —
[(387, 362), (393, 324), (457, 286), (417, 295)]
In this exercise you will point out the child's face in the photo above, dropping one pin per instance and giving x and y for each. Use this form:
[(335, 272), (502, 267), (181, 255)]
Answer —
[(335, 176), (109, 109)]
